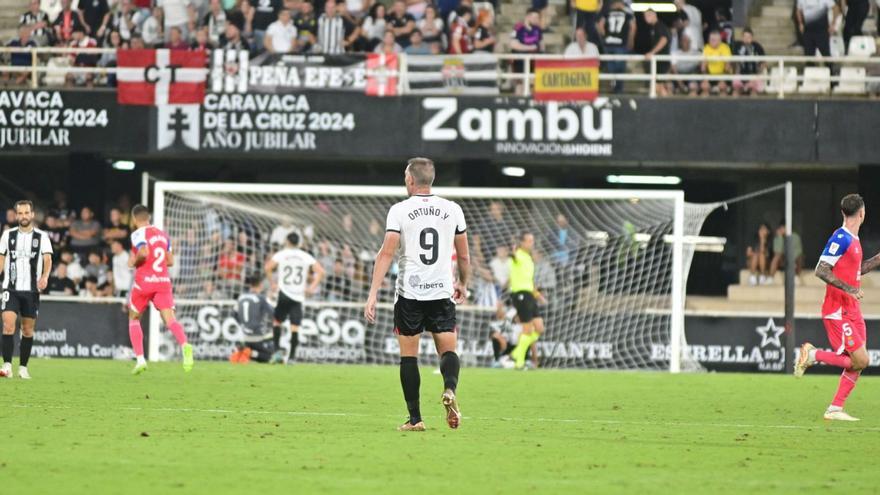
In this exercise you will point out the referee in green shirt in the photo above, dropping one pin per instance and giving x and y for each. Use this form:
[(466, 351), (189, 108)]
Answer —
[(525, 297)]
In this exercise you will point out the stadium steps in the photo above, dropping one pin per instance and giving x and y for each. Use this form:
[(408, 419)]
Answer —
[(10, 11), (773, 27), (808, 289)]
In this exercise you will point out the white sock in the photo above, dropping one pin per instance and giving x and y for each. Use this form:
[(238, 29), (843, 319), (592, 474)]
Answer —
[(812, 355), (833, 408), (141, 360)]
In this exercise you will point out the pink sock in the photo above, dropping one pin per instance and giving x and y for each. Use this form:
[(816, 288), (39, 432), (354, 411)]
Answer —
[(177, 329), (137, 337), (847, 382), (839, 360)]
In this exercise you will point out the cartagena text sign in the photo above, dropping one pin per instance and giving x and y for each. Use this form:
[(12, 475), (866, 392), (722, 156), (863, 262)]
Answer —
[(567, 80)]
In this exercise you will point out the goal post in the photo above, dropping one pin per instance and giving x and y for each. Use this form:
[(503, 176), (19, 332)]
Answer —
[(614, 263)]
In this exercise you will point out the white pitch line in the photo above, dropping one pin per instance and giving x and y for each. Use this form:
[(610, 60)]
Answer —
[(476, 418)]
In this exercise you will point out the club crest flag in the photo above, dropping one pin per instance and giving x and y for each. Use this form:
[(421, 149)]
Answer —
[(567, 80), (382, 74), (160, 77)]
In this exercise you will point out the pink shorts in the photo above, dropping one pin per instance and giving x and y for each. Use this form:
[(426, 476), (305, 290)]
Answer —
[(846, 335), (161, 299)]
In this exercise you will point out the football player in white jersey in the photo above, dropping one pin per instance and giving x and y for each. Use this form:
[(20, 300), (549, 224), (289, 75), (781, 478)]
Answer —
[(299, 275), (426, 228)]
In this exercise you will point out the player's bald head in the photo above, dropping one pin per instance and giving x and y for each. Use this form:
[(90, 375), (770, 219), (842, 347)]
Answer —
[(421, 170)]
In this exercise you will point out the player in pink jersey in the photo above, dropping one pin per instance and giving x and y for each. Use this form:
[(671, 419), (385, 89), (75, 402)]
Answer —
[(841, 268), (152, 255)]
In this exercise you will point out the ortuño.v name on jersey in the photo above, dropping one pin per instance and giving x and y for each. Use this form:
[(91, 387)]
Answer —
[(427, 225)]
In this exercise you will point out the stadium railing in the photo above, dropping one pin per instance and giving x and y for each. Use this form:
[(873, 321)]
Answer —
[(779, 79)]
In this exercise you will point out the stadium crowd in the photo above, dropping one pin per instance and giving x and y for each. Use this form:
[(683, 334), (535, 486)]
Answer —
[(419, 27)]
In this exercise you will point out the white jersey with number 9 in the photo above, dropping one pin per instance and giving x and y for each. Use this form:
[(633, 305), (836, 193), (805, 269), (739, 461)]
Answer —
[(427, 225)]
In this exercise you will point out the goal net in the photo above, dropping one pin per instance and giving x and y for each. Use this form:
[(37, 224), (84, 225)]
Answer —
[(612, 265)]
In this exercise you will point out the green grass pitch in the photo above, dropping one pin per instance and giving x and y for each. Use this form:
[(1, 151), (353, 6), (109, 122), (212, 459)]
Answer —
[(89, 427)]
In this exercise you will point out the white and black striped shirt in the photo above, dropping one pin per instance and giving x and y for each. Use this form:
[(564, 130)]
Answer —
[(23, 262), (331, 34)]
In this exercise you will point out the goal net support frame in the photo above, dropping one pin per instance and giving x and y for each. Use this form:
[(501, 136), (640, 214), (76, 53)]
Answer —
[(211, 192)]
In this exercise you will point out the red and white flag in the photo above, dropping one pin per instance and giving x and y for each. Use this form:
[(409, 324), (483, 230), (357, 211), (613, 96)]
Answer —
[(160, 77), (382, 74)]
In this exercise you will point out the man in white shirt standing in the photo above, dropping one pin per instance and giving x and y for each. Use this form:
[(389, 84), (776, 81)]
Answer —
[(121, 271), (812, 21), (428, 230), (281, 34)]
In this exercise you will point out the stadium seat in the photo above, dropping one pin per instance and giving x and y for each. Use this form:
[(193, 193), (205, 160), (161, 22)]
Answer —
[(816, 80), (852, 81), (862, 46), (789, 82)]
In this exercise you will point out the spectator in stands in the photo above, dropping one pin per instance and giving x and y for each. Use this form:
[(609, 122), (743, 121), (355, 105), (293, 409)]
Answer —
[(306, 26), (11, 220), (660, 38), (74, 268), (484, 32), (401, 23), (724, 26), (67, 21), (331, 30), (561, 241), (416, 45), (122, 19), (618, 30), (231, 39), (81, 40), (856, 13), (96, 267), (686, 66), (116, 230), (779, 260), (388, 44), (460, 41), (92, 289), (758, 256), (580, 47), (527, 38), (338, 284), (153, 29), (62, 211), (202, 41), (230, 263), (358, 8), (215, 21), (37, 23), (178, 14), (587, 16), (281, 34), (373, 27), (431, 27), (500, 266), (715, 48), (493, 230), (85, 233), (175, 40), (93, 13), (59, 283), (352, 28), (108, 59), (56, 232), (812, 22), (20, 59), (137, 43), (748, 47), (692, 22), (122, 274), (265, 13)]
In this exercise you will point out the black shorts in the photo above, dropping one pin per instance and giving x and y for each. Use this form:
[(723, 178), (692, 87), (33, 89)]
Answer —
[(526, 306), (288, 309), (23, 303), (413, 317)]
